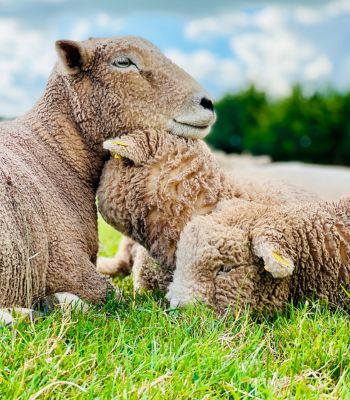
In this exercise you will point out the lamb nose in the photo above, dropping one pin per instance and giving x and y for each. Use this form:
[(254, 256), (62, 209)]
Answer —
[(207, 104)]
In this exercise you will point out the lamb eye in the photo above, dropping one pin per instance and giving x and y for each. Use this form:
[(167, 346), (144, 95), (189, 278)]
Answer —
[(122, 62)]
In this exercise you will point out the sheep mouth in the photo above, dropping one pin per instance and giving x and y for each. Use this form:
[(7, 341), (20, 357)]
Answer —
[(191, 130), (193, 125)]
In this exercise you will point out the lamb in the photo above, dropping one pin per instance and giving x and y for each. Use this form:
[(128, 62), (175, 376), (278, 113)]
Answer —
[(51, 159), (204, 236)]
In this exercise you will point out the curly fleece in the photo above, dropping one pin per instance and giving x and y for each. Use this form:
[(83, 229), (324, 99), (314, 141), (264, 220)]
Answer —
[(216, 238), (51, 159)]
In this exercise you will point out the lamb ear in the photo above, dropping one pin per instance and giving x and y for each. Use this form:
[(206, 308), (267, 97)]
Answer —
[(275, 262), (73, 55), (122, 148)]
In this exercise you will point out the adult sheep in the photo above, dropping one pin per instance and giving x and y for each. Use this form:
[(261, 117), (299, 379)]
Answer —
[(51, 159)]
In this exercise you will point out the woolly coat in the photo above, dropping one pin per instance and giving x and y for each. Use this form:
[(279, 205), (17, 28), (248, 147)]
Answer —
[(215, 238), (51, 159)]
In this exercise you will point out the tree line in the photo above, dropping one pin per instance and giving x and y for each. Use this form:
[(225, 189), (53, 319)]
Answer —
[(313, 129)]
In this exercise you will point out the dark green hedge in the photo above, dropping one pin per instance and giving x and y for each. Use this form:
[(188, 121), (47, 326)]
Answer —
[(311, 129)]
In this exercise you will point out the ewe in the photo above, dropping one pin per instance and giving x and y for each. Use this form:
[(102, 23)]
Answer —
[(209, 236), (51, 159)]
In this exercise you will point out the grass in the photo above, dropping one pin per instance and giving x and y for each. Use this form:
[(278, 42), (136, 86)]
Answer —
[(137, 349)]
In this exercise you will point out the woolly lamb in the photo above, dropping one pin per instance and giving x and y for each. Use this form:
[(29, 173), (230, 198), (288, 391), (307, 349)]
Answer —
[(51, 159), (208, 237)]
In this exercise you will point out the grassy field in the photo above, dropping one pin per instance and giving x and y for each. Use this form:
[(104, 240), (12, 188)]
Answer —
[(137, 349)]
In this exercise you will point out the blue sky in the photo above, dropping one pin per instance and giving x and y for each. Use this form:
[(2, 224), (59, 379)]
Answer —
[(226, 45)]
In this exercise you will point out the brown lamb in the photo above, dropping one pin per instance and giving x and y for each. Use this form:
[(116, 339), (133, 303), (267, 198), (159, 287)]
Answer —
[(52, 157), (206, 236)]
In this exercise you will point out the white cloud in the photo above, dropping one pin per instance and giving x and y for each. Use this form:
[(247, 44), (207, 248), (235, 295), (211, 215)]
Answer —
[(267, 18), (215, 26), (80, 30), (204, 65), (274, 60), (83, 28), (318, 68), (314, 15), (27, 57), (266, 48)]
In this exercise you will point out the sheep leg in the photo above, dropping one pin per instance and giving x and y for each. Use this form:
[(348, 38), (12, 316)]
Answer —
[(132, 257), (80, 278), (205, 247), (122, 264), (68, 302), (148, 274)]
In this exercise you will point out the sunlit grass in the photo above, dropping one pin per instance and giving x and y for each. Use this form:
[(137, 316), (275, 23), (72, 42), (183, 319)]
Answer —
[(137, 348)]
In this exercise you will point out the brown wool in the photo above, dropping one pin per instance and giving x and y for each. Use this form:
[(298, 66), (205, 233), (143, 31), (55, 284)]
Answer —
[(52, 157), (204, 235)]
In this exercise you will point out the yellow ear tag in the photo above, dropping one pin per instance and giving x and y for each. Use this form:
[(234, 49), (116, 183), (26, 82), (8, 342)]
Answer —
[(266, 268), (118, 156), (280, 259), (120, 143)]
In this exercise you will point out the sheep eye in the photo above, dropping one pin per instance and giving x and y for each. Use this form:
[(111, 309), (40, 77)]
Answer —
[(224, 269), (122, 62)]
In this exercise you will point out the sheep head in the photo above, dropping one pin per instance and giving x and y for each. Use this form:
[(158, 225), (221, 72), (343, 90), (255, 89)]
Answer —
[(118, 85)]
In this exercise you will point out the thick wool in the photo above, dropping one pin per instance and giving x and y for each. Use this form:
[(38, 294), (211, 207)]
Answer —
[(215, 238), (51, 159)]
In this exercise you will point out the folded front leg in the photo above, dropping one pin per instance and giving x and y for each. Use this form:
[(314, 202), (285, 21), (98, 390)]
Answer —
[(74, 273), (122, 263), (148, 274)]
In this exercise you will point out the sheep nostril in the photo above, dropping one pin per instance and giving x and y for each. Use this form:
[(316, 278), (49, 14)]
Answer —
[(207, 104)]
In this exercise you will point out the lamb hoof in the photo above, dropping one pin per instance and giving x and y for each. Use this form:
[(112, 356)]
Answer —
[(278, 266), (178, 298)]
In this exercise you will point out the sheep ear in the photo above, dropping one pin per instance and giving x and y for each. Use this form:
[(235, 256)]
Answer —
[(73, 55), (277, 264)]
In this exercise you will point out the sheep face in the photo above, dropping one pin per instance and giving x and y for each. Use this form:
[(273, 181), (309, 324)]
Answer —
[(122, 84)]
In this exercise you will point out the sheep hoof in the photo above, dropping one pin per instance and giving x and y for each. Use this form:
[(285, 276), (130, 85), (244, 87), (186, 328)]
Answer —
[(68, 302), (6, 319), (178, 299), (8, 316), (275, 264)]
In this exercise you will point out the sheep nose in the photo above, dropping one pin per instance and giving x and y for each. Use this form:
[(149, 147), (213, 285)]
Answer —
[(207, 104)]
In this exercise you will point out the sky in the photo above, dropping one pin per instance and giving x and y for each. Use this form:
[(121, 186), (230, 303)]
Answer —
[(224, 44)]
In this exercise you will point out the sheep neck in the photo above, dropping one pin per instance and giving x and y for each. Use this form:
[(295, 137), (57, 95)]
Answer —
[(182, 181), (52, 120)]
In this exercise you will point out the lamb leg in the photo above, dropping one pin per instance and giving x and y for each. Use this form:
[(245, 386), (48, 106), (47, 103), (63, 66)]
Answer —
[(121, 264), (148, 274)]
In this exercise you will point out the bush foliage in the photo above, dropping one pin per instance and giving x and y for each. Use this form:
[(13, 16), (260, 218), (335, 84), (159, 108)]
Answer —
[(307, 128)]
